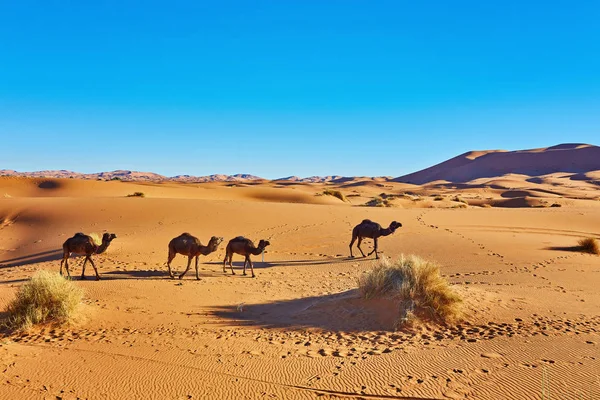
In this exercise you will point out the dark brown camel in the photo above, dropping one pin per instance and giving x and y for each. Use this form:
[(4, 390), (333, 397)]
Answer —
[(245, 247), (190, 246), (83, 244), (371, 230)]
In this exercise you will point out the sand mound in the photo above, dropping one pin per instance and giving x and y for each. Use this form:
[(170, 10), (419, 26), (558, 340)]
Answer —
[(574, 158)]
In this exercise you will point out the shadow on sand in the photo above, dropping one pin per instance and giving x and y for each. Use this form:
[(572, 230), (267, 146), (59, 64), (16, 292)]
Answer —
[(345, 311), (574, 249), (259, 264), (43, 256)]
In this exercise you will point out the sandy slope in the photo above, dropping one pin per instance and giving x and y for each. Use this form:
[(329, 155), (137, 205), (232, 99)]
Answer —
[(571, 158), (299, 330)]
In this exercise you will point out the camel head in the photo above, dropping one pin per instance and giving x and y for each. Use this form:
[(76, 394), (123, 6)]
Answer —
[(214, 242), (108, 237), (395, 225), (263, 243)]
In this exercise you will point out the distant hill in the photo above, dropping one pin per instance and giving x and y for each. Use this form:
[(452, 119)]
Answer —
[(125, 175), (569, 158)]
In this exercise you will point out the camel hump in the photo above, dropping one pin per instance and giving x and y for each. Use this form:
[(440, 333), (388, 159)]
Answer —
[(80, 234), (366, 221), (238, 239)]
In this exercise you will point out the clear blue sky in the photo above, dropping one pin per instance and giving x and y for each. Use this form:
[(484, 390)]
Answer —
[(278, 88)]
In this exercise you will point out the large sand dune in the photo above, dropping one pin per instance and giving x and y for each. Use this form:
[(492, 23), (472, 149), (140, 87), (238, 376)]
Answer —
[(300, 329), (569, 158)]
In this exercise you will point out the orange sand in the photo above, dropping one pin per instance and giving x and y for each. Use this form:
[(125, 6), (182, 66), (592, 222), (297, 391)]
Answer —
[(299, 330)]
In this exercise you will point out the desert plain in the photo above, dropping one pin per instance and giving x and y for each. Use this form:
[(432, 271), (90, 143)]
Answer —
[(507, 244)]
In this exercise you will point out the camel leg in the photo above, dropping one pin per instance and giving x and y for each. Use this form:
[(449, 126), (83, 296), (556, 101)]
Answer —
[(245, 262), (351, 243), (170, 258), (374, 249), (188, 267), (66, 260), (230, 264), (95, 269), (83, 267), (197, 276), (224, 263), (65, 256), (251, 267), (358, 245)]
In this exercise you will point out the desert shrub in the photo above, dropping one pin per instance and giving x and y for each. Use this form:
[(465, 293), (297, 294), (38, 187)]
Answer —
[(556, 205), (486, 205), (438, 197), (461, 205), (335, 193), (136, 194), (589, 245), (46, 297), (460, 200), (418, 286), (115, 178), (379, 202)]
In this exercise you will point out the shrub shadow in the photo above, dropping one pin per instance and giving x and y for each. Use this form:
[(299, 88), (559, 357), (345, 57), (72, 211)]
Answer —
[(344, 311)]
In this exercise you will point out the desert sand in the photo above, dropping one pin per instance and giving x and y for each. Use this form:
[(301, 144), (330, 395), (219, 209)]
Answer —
[(299, 329)]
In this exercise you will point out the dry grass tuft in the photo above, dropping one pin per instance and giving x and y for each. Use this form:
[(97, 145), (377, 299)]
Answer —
[(137, 194), (335, 193), (419, 287), (46, 297), (589, 245), (379, 202), (96, 238)]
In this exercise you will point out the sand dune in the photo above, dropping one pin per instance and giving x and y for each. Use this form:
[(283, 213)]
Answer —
[(574, 158), (300, 329)]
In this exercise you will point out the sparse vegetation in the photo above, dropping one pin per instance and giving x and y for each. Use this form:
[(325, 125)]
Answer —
[(115, 178), (589, 245), (137, 194), (486, 205), (460, 200), (46, 298), (438, 197), (335, 193), (379, 202), (418, 286), (556, 205)]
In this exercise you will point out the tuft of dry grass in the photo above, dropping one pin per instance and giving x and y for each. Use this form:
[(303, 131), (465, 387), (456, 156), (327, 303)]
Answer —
[(418, 286), (46, 298), (96, 238), (137, 194), (438, 197), (589, 245), (379, 202), (335, 193)]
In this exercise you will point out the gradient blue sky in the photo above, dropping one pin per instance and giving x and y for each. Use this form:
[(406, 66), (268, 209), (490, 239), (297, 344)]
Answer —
[(278, 88)]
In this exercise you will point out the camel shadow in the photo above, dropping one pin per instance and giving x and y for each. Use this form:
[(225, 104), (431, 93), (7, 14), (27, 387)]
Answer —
[(43, 256), (134, 274), (307, 262), (345, 311), (13, 281)]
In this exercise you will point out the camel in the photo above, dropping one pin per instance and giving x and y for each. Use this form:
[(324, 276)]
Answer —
[(371, 230), (245, 247), (190, 246), (83, 244)]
